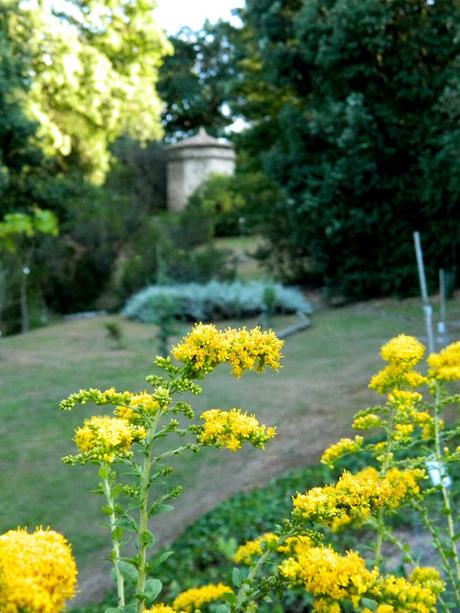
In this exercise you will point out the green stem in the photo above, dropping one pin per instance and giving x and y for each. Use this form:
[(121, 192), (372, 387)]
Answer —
[(244, 591), (115, 542), (439, 547), (380, 526), (144, 516), (445, 492)]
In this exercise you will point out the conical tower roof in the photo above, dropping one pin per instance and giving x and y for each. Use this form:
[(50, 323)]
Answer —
[(202, 139)]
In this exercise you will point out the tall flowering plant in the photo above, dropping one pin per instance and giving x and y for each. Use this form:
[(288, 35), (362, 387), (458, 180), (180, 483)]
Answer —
[(133, 461), (410, 465)]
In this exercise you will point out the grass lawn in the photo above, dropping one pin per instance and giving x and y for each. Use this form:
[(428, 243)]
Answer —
[(311, 401), (242, 247)]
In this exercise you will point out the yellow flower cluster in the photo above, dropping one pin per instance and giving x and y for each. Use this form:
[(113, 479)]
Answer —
[(194, 598), (230, 429), (296, 544), (103, 438), (245, 553), (37, 572), (206, 347), (402, 350), (366, 422), (138, 402), (343, 447), (402, 353), (328, 576), (407, 415), (417, 595), (428, 576), (332, 578), (354, 498), (445, 365)]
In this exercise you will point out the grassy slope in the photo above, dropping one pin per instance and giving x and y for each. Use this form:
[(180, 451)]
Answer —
[(323, 382)]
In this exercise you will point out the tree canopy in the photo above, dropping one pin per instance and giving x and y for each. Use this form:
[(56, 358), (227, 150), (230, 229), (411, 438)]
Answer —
[(94, 67), (360, 130)]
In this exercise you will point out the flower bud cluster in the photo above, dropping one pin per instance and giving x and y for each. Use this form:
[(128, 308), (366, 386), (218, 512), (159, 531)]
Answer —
[(343, 447)]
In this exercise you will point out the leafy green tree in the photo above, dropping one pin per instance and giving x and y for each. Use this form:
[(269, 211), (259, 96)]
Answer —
[(360, 131), (95, 67), (195, 80), (19, 234)]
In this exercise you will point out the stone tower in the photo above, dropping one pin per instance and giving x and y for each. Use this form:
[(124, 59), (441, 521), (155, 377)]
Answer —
[(192, 161)]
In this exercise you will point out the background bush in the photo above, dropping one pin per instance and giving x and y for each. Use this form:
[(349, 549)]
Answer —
[(214, 301)]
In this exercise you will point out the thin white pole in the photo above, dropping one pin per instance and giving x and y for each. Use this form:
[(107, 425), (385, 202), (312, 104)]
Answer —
[(442, 301), (427, 309)]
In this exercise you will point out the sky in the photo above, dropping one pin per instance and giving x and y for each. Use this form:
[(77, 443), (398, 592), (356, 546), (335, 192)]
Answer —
[(173, 14)]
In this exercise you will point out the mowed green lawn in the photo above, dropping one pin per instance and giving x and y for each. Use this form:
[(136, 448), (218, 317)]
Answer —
[(311, 401)]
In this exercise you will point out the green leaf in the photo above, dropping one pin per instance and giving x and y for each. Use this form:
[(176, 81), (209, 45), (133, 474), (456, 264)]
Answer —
[(155, 509), (222, 608), (370, 604), (127, 523), (115, 610), (128, 570), (147, 538), (236, 577), (152, 589), (159, 559)]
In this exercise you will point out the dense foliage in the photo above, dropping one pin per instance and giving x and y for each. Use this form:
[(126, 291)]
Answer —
[(353, 110), (194, 81)]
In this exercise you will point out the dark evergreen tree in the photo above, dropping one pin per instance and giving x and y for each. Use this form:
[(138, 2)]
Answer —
[(361, 131)]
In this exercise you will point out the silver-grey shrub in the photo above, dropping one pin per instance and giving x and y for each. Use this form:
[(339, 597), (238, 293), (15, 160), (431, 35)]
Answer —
[(213, 301)]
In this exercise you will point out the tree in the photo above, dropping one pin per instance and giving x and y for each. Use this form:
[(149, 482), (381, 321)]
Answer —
[(361, 135), (194, 81), (95, 66), (19, 233)]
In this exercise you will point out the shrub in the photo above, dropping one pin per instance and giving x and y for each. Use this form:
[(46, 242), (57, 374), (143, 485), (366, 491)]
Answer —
[(214, 300)]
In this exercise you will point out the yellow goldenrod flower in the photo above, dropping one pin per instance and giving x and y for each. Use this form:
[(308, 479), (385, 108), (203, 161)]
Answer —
[(404, 399), (205, 347), (354, 498), (296, 544), (445, 365), (428, 577), (404, 595), (37, 572), (194, 598), (402, 350), (103, 438), (402, 432), (393, 377), (323, 605), (402, 353), (230, 429), (343, 447), (366, 422), (248, 550), (138, 402), (327, 575)]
